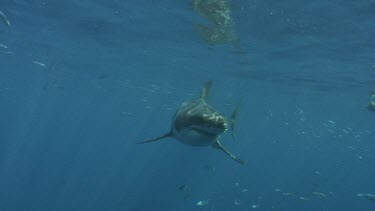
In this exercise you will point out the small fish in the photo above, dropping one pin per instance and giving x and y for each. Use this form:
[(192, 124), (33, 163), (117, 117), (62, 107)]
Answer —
[(236, 202), (303, 198), (7, 52), (3, 46), (39, 63), (319, 194), (368, 196), (202, 203), (255, 206), (183, 187), (5, 18)]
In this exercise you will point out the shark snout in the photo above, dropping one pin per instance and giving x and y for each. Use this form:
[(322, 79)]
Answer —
[(225, 124), (212, 124), (221, 122)]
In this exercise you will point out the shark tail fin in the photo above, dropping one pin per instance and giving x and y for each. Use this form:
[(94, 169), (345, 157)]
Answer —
[(234, 117), (206, 90), (170, 134)]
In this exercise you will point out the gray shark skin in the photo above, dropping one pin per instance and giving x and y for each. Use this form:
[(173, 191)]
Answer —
[(198, 124)]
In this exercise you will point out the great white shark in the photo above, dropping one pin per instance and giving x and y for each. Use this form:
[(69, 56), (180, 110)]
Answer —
[(198, 124)]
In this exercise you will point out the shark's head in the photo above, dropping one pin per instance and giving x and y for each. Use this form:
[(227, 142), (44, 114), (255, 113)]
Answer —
[(211, 124)]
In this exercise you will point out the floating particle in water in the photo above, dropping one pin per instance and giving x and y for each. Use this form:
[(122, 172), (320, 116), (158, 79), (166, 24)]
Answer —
[(104, 76), (210, 168), (277, 190), (202, 203), (244, 190), (331, 131), (126, 113), (269, 116), (188, 195), (236, 202)]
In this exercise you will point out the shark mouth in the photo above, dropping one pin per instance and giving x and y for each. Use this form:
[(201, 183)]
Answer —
[(204, 131)]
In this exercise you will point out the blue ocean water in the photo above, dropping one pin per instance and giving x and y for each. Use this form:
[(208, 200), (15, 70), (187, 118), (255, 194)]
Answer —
[(82, 81)]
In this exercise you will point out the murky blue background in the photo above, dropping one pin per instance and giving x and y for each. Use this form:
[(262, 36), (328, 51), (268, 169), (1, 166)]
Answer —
[(82, 81)]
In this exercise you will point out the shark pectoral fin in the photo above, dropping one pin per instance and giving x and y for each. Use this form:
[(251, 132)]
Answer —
[(170, 134), (233, 119), (206, 90), (218, 145)]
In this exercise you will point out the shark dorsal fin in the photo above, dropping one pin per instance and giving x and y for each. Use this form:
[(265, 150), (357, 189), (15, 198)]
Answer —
[(206, 89)]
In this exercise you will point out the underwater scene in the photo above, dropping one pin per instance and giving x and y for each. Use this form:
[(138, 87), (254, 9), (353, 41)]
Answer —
[(187, 105)]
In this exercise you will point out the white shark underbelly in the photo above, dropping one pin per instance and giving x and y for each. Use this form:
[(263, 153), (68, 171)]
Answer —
[(194, 138)]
